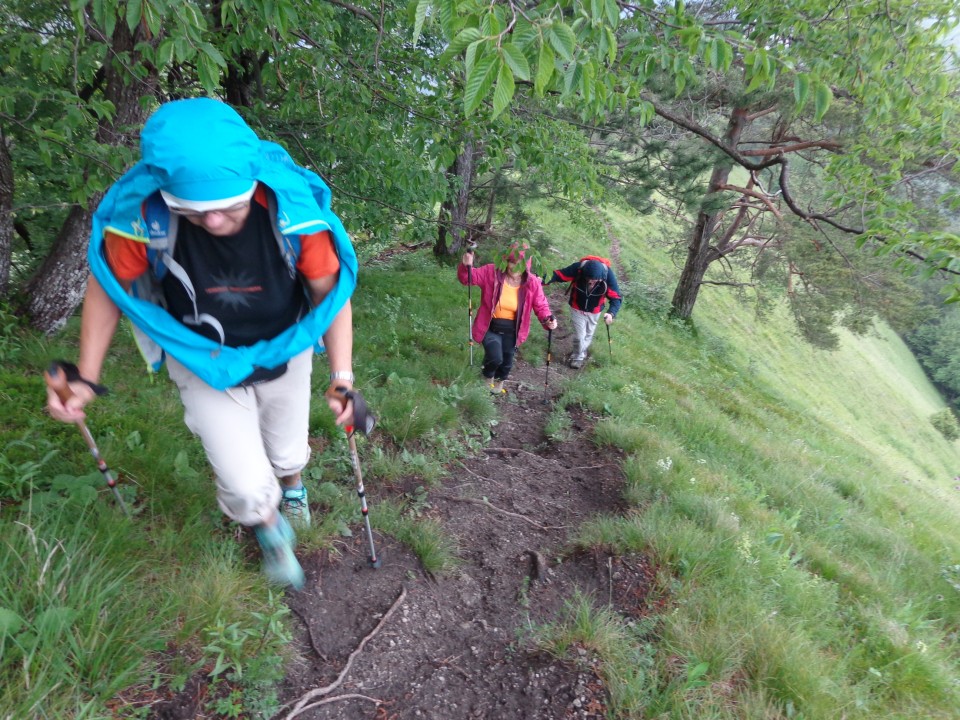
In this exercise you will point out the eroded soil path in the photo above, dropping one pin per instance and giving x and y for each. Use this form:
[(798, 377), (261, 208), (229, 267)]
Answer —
[(459, 646), (396, 644)]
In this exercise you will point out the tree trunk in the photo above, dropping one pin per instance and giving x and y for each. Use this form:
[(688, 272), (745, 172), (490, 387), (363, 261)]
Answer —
[(691, 277), (57, 288), (453, 211), (6, 215), (699, 252)]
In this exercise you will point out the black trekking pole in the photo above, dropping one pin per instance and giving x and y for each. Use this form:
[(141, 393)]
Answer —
[(609, 341), (57, 376), (364, 422), (546, 378), (471, 248), (470, 310)]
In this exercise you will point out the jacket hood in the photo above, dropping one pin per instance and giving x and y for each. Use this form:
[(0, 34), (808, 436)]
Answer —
[(201, 150), (303, 206), (593, 270)]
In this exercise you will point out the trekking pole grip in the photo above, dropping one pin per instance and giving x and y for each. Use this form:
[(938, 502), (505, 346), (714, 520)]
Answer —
[(60, 373), (57, 381)]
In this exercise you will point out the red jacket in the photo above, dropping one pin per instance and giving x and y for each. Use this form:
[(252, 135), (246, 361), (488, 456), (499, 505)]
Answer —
[(530, 296)]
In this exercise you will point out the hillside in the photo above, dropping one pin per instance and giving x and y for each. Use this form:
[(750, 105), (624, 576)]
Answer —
[(719, 522)]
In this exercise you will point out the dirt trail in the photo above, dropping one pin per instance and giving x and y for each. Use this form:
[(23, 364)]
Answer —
[(396, 644), (458, 646)]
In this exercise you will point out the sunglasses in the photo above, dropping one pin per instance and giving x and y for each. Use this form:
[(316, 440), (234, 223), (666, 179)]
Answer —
[(203, 213)]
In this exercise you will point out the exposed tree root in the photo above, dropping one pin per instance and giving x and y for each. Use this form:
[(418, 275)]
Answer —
[(301, 705), (313, 643), (538, 565), (487, 503)]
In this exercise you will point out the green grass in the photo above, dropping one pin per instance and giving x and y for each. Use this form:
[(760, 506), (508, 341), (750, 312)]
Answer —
[(799, 505)]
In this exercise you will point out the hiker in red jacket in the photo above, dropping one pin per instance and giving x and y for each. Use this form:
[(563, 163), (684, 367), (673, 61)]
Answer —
[(592, 283), (503, 319)]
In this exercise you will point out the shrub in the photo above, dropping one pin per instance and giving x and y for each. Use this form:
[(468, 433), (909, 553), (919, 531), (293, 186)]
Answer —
[(946, 423)]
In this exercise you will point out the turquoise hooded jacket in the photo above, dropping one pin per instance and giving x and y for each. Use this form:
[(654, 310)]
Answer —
[(201, 149)]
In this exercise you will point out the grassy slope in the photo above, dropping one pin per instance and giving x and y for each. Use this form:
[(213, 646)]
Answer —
[(808, 506), (799, 505)]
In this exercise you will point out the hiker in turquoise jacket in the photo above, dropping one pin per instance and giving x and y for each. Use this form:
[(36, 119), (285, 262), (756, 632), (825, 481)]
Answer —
[(227, 259)]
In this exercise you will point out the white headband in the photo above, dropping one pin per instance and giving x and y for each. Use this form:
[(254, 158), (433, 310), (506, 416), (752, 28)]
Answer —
[(176, 203)]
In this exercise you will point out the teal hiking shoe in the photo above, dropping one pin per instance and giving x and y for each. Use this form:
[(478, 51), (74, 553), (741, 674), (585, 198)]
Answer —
[(293, 504), (280, 565)]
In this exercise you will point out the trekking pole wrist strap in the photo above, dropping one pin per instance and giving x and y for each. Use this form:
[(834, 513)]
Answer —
[(72, 373)]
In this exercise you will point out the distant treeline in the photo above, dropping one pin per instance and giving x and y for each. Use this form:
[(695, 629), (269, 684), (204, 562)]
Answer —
[(936, 343)]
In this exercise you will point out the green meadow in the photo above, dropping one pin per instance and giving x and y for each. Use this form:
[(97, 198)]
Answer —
[(799, 505)]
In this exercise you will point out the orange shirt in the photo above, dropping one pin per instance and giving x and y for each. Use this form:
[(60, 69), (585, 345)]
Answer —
[(506, 308), (128, 258)]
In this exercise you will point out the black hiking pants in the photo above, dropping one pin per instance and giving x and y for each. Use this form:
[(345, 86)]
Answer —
[(499, 347)]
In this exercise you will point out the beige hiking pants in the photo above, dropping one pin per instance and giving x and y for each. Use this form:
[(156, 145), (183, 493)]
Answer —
[(251, 435)]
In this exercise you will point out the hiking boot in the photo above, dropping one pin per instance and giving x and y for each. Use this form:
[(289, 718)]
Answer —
[(293, 504), (576, 363), (280, 565), (496, 388)]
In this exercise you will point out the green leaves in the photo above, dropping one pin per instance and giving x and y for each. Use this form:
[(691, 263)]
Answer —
[(486, 64), (134, 10), (562, 40), (480, 79), (460, 43), (545, 69), (719, 55), (516, 61), (10, 623), (209, 62), (420, 15), (503, 93), (822, 96), (801, 91)]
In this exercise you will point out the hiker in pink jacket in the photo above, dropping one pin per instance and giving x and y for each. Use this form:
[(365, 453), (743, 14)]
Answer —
[(503, 318)]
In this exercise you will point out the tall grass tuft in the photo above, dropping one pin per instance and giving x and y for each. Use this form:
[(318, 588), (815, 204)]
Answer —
[(626, 666), (71, 627)]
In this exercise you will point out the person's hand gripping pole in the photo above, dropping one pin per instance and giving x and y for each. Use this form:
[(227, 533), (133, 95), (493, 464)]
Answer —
[(58, 376)]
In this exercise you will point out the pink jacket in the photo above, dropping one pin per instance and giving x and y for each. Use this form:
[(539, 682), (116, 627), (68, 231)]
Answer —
[(529, 297)]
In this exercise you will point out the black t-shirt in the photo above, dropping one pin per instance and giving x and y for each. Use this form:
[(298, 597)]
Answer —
[(242, 280)]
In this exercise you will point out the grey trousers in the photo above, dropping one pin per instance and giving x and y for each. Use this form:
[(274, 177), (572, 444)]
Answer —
[(584, 326)]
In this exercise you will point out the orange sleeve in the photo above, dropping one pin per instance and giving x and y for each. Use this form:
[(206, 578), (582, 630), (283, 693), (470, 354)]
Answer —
[(127, 258), (317, 256)]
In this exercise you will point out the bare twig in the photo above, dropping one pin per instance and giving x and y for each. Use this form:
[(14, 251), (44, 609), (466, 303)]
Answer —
[(481, 477), (507, 450), (301, 704), (487, 503), (338, 698)]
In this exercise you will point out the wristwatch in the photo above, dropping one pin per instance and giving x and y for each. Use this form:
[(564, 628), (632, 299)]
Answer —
[(342, 375)]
